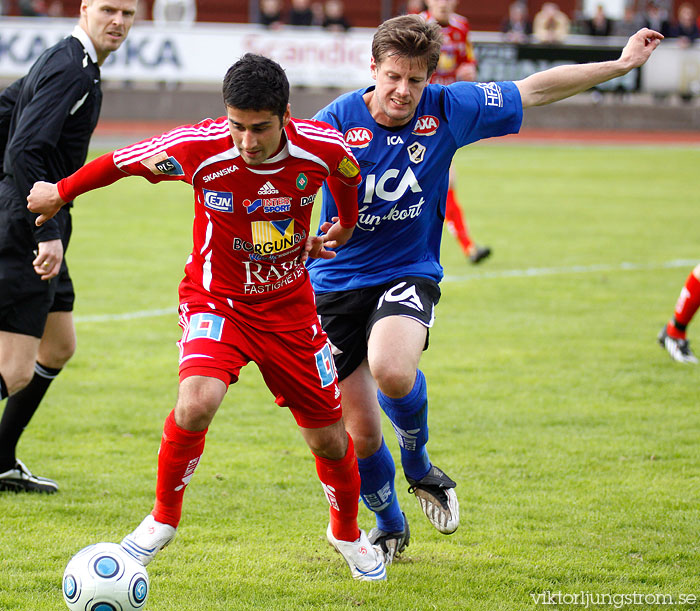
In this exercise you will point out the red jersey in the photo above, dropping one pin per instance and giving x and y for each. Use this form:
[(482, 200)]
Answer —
[(456, 48), (250, 222)]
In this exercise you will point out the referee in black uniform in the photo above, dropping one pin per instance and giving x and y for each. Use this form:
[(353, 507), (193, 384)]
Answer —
[(46, 120)]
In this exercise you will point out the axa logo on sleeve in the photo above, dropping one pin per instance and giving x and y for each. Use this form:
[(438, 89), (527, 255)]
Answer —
[(221, 201), (358, 137)]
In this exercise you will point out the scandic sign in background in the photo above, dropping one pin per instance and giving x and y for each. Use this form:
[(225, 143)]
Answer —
[(315, 58), (202, 53)]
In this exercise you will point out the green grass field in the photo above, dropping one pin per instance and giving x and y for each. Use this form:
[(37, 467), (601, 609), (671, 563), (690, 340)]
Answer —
[(573, 437)]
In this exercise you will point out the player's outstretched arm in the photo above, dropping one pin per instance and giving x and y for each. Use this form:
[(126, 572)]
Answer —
[(564, 81), (46, 199)]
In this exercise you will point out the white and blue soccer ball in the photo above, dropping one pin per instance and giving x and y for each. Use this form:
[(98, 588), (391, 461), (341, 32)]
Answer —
[(104, 577)]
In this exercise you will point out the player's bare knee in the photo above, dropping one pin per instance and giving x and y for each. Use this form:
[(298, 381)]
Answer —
[(393, 379), (58, 355), (696, 271), (195, 413), (367, 445), (193, 417), (17, 376), (329, 442)]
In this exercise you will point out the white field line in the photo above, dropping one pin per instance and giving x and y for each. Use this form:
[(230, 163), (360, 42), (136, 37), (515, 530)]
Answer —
[(574, 269), (508, 273), (127, 315)]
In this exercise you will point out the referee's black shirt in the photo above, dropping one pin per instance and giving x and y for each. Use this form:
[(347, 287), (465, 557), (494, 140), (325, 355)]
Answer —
[(46, 120)]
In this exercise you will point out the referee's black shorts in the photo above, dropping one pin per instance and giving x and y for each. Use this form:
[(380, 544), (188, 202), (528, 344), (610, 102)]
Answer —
[(347, 317), (26, 299)]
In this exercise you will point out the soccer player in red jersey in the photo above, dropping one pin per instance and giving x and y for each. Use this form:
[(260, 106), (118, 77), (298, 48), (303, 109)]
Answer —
[(672, 336), (457, 63), (246, 295)]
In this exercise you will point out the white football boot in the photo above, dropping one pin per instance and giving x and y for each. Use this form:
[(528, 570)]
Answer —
[(364, 561), (148, 539)]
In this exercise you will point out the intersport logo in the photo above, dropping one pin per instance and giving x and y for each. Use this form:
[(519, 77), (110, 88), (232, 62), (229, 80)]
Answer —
[(358, 137)]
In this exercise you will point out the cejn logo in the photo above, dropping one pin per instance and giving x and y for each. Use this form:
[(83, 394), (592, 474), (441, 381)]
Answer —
[(426, 125), (358, 137), (221, 201)]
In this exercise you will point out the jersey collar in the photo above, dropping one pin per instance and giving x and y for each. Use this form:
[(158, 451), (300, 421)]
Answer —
[(84, 39)]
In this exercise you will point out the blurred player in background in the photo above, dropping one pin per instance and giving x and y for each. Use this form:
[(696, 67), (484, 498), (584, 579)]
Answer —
[(246, 294), (457, 63), (46, 120), (376, 298), (672, 337)]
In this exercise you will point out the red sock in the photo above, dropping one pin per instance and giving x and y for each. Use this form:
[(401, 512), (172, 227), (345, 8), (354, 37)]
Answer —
[(179, 454), (341, 483), (687, 305), (455, 222)]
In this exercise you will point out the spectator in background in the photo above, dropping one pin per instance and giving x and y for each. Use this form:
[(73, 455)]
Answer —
[(517, 27), (301, 13), (319, 13), (686, 27), (551, 24), (33, 8), (655, 19), (599, 24), (411, 7), (271, 13), (334, 18), (174, 12), (629, 24)]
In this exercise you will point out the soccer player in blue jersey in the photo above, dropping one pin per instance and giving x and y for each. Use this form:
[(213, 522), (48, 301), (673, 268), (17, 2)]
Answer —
[(376, 297)]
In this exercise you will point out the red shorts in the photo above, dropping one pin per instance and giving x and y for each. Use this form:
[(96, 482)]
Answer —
[(297, 366)]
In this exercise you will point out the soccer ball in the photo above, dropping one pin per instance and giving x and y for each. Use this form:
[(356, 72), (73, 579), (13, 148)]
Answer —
[(104, 577)]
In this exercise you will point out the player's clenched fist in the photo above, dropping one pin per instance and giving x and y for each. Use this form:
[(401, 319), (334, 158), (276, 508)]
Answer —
[(44, 200)]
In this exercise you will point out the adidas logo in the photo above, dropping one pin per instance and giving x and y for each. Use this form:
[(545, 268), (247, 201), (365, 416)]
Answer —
[(267, 189)]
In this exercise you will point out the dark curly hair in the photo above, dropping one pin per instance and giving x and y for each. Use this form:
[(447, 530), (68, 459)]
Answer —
[(256, 82)]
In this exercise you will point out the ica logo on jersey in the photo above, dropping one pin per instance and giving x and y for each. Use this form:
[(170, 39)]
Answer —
[(220, 201), (391, 140), (426, 125), (358, 137), (390, 187)]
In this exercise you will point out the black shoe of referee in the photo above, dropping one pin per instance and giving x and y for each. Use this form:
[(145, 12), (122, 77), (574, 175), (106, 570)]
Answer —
[(21, 479)]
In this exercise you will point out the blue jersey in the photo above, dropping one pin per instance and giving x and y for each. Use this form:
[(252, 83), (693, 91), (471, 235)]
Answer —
[(405, 174)]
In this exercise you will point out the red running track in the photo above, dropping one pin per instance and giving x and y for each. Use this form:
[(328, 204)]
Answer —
[(132, 131)]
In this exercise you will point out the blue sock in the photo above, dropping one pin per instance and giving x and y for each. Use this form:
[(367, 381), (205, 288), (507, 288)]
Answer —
[(409, 417), (377, 489)]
